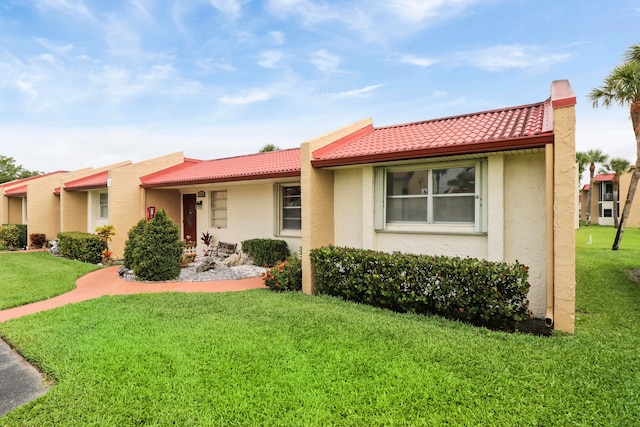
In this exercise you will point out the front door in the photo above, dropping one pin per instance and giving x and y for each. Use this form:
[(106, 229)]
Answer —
[(189, 216)]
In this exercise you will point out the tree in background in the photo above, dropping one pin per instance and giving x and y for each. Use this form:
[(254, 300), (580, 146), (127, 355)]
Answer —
[(622, 86), (617, 166), (9, 171), (592, 157), (269, 147)]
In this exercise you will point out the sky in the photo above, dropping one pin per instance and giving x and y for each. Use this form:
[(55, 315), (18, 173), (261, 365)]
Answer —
[(92, 83)]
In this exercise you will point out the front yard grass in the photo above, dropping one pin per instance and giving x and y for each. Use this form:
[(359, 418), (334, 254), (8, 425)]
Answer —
[(265, 358), (36, 276)]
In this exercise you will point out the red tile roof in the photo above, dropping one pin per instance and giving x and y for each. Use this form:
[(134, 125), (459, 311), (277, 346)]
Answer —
[(17, 191), (604, 177), (586, 187), (273, 164), (527, 126), (91, 182)]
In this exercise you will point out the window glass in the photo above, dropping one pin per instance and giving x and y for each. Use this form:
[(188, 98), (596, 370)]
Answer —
[(104, 205), (219, 209), (454, 180), (409, 210), (454, 209), (291, 215), (410, 183)]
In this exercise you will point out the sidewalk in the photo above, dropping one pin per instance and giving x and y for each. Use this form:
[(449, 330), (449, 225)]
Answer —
[(106, 281)]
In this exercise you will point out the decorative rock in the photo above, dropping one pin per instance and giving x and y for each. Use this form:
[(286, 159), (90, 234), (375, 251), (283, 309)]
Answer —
[(206, 265), (233, 260)]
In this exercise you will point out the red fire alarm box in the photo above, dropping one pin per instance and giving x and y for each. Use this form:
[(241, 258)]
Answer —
[(151, 212)]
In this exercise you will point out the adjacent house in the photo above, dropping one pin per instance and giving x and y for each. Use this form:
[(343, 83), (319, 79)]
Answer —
[(498, 185), (603, 198)]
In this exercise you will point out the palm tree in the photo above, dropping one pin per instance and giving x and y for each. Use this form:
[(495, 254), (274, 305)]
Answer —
[(592, 157), (622, 86), (617, 166), (581, 159)]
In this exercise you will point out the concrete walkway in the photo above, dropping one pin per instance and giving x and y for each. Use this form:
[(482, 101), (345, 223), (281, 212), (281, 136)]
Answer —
[(20, 382), (106, 281)]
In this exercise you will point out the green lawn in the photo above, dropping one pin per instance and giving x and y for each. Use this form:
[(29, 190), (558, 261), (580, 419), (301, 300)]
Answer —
[(36, 276), (263, 358)]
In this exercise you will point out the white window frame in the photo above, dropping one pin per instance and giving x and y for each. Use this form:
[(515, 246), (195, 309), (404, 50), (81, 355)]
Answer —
[(280, 207), (479, 224), (102, 205), (220, 221)]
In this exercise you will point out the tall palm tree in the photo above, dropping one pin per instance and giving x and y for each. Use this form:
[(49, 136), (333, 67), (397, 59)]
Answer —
[(617, 166), (592, 157), (622, 86), (581, 159)]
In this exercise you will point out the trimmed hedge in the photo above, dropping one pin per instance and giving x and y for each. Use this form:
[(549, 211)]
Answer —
[(157, 250), (491, 294), (286, 276), (267, 252), (13, 236), (85, 247), (132, 243)]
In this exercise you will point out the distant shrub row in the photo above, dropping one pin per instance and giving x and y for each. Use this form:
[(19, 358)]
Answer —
[(491, 294), (85, 247), (13, 236)]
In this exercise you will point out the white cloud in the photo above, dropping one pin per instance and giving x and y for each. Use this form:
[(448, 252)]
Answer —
[(361, 93), (212, 66), (58, 50), (246, 98), (418, 61), (277, 37), (270, 58), (69, 7), (27, 88), (504, 57), (325, 61), (232, 8)]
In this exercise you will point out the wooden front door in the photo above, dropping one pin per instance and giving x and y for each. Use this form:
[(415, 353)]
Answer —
[(189, 216)]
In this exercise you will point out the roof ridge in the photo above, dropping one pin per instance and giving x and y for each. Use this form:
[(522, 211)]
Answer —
[(253, 154), (477, 113)]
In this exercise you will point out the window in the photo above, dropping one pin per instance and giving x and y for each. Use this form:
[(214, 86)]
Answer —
[(104, 205), (430, 195), (290, 212), (219, 209)]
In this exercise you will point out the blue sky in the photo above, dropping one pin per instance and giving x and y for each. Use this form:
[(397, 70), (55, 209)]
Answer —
[(91, 83)]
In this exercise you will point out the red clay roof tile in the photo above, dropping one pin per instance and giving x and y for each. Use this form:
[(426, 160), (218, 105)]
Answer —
[(91, 182), (16, 191), (273, 164), (603, 177), (511, 128)]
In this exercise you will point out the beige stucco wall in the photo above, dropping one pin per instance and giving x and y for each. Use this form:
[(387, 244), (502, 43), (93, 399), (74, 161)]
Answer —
[(318, 200), (169, 200), (251, 212), (126, 202), (14, 211), (564, 172), (73, 211), (43, 206), (525, 222)]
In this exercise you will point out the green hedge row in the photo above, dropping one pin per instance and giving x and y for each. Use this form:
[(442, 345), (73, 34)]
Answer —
[(13, 236), (85, 247), (491, 294), (266, 251)]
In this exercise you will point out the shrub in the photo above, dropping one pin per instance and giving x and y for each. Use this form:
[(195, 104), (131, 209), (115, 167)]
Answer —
[(38, 240), (130, 245), (105, 232), (13, 236), (492, 294), (157, 251), (85, 247), (267, 252), (286, 276)]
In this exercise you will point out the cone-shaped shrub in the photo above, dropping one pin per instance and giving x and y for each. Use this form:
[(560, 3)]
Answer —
[(157, 252), (134, 236)]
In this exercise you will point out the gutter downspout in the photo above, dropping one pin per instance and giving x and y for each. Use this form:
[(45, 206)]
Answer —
[(550, 233)]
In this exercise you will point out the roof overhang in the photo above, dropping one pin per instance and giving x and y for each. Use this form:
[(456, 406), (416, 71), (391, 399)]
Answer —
[(19, 191), (537, 141), (236, 178), (91, 182)]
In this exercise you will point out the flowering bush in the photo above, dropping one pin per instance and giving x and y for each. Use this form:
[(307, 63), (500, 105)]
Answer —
[(286, 276)]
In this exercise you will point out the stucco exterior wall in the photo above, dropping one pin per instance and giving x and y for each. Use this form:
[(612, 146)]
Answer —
[(167, 200), (73, 211), (43, 206), (14, 211), (126, 202), (348, 203), (525, 237)]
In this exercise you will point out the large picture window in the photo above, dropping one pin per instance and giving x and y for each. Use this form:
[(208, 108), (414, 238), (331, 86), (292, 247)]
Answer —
[(430, 195), (219, 209)]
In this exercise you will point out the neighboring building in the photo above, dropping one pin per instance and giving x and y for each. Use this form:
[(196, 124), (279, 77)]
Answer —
[(602, 199), (234, 199), (498, 185)]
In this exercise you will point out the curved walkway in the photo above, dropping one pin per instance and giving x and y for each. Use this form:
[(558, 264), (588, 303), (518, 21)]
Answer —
[(106, 281)]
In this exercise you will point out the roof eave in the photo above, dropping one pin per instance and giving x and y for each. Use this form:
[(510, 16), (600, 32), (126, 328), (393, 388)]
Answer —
[(288, 174), (86, 187), (537, 141)]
